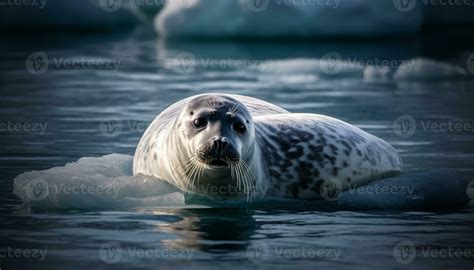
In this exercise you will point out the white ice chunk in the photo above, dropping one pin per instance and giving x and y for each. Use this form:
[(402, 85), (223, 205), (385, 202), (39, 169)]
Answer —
[(93, 183)]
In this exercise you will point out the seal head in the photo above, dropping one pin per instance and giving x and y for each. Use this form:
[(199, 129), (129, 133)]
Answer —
[(217, 136)]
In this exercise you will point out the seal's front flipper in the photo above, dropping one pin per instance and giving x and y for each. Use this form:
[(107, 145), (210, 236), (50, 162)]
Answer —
[(424, 190)]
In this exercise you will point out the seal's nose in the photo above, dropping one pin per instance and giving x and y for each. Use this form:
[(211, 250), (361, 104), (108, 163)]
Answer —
[(219, 145)]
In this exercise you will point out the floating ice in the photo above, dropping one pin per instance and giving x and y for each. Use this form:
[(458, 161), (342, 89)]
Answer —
[(271, 18), (322, 67), (427, 69), (340, 67), (107, 183), (94, 183)]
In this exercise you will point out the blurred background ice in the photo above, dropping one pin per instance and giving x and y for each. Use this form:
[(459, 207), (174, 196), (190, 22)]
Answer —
[(238, 18)]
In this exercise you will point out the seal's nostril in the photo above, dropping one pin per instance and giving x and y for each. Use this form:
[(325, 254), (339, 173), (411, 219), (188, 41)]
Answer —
[(218, 145), (224, 142)]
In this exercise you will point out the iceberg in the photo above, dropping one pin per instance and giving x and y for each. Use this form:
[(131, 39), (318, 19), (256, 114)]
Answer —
[(76, 14), (287, 18)]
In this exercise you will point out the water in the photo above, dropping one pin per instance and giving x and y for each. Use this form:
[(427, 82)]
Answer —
[(75, 105)]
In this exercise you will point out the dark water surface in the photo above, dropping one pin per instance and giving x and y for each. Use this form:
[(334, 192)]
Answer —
[(76, 104)]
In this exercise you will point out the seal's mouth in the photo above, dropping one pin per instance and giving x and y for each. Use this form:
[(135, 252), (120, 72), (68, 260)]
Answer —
[(218, 163)]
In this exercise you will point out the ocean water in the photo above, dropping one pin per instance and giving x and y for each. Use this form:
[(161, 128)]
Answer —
[(96, 93)]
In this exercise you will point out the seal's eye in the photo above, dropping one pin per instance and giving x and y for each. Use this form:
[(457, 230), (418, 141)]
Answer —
[(239, 127), (200, 122)]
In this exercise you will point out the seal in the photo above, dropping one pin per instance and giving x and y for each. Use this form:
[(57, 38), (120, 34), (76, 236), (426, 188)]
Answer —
[(226, 146)]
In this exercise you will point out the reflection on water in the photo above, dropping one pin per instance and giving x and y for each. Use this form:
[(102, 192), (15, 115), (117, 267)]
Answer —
[(211, 230), (73, 103)]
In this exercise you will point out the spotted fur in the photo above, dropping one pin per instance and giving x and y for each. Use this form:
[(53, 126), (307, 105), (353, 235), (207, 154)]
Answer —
[(296, 153), (302, 151)]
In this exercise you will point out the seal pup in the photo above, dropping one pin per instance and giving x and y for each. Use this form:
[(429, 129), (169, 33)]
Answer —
[(226, 146)]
